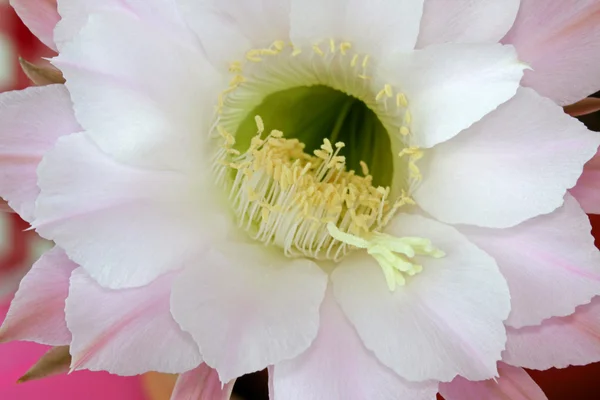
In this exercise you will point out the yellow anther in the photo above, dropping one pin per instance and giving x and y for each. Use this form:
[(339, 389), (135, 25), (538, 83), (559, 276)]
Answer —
[(365, 61), (404, 131), (380, 95), (296, 51), (327, 146), (407, 117), (401, 100), (339, 145), (411, 151), (276, 134), (414, 171), (253, 55), (236, 80), (364, 77), (318, 50), (354, 60), (344, 47), (235, 67), (278, 45), (388, 90), (365, 168), (332, 45), (260, 125)]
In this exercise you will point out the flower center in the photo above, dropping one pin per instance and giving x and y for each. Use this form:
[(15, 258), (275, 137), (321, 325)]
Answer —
[(323, 179)]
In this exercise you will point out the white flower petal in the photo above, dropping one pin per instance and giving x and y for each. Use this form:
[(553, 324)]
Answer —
[(337, 366), (148, 105), (373, 27), (126, 332), (248, 308), (451, 86), (162, 14), (230, 28), (445, 321), (550, 263), (466, 21), (125, 225), (515, 164)]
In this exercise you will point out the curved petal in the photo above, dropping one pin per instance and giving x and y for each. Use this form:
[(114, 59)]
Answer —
[(561, 42), (147, 105), (374, 27), (136, 324), (451, 86), (162, 14), (513, 383), (515, 164), (124, 225), (466, 21), (248, 308), (558, 342), (550, 263), (201, 383), (445, 321), (40, 17), (32, 120), (337, 366), (37, 313), (587, 189), (227, 29)]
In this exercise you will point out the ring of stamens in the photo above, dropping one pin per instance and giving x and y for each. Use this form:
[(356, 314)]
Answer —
[(310, 204), (285, 196)]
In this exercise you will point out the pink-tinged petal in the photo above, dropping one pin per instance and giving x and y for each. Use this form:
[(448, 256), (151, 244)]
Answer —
[(162, 14), (451, 86), (86, 198), (241, 25), (248, 308), (201, 383), (338, 366), (514, 384), (37, 312), (373, 27), (40, 16), (146, 105), (587, 190), (515, 164), (558, 342), (32, 120), (135, 324), (550, 263), (466, 21), (561, 41), (446, 320)]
